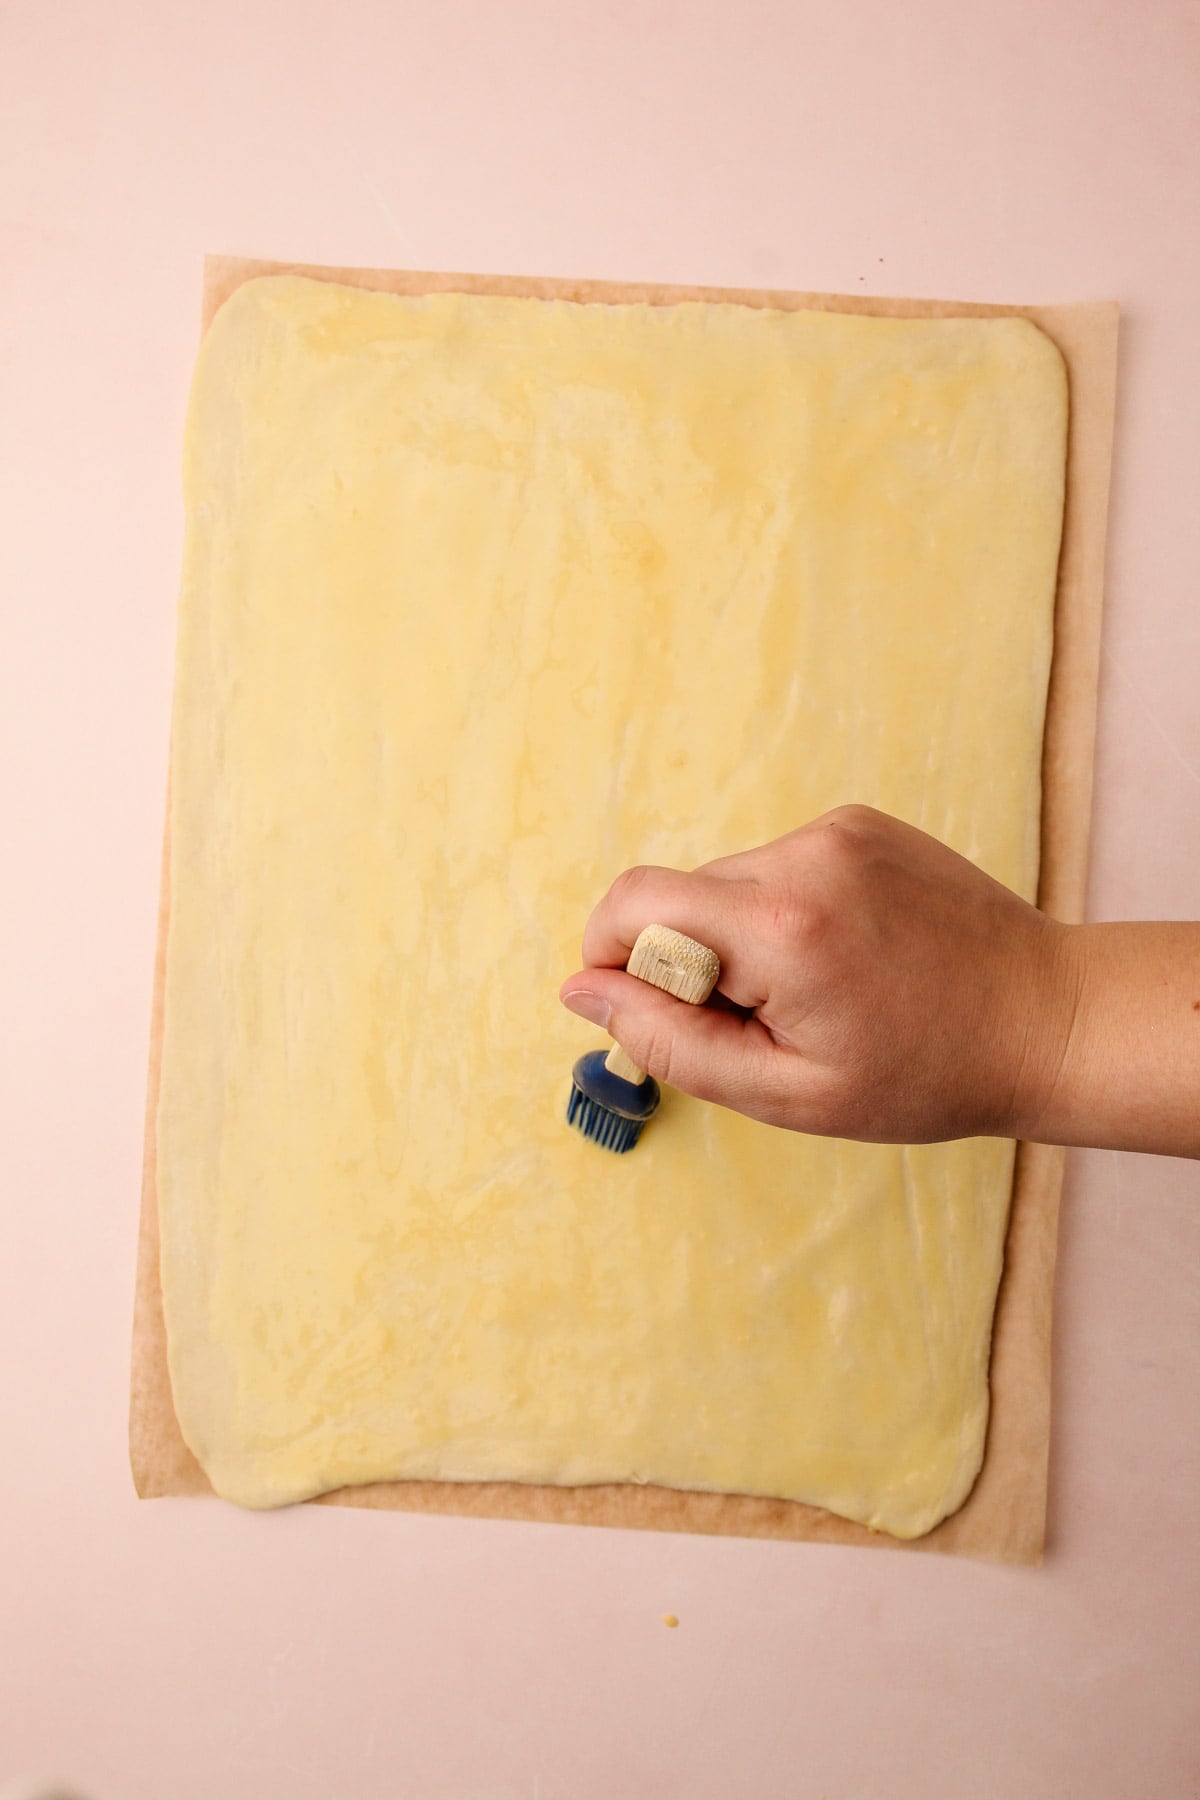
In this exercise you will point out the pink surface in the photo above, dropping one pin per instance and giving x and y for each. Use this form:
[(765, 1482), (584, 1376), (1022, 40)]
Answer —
[(991, 152)]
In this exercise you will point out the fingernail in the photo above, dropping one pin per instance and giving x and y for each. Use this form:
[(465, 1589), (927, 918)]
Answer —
[(588, 1006)]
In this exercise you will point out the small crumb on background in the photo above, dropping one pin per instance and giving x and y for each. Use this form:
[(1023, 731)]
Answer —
[(670, 1620)]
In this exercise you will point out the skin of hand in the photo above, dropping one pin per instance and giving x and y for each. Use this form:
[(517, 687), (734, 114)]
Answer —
[(876, 985)]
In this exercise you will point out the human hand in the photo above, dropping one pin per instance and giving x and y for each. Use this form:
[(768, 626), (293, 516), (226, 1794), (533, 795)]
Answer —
[(877, 985)]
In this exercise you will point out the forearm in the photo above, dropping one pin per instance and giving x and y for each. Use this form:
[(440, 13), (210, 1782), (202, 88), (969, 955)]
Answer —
[(1122, 1071)]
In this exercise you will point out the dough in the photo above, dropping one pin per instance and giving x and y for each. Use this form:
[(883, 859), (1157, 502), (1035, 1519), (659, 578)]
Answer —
[(484, 599)]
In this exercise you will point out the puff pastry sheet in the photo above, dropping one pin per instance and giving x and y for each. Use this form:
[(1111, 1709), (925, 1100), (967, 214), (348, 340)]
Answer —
[(486, 597)]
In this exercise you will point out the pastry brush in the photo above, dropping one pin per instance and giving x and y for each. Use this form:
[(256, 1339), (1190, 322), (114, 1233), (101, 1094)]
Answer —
[(611, 1098)]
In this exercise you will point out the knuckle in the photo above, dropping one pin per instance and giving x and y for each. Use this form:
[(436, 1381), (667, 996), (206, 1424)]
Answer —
[(795, 918), (854, 819), (657, 1056), (631, 881), (851, 838)]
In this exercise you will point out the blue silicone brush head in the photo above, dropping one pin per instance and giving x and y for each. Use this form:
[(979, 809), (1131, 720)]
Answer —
[(606, 1109)]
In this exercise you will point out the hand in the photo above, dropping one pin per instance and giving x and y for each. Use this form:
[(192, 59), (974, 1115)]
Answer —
[(876, 985)]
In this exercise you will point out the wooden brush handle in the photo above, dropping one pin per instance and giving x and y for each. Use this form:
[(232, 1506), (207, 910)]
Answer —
[(678, 965)]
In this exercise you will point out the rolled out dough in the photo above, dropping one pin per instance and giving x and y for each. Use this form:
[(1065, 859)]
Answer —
[(485, 598)]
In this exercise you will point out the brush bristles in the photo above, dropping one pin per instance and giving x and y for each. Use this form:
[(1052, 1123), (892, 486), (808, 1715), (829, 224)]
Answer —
[(604, 1127)]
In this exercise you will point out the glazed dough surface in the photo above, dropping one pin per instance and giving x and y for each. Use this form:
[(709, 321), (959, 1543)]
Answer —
[(485, 599)]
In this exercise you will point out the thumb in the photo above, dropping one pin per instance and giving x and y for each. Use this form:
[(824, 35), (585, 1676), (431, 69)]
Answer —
[(711, 1054)]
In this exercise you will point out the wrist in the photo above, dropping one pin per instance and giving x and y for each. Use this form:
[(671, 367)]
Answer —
[(1118, 1066), (1050, 1037)]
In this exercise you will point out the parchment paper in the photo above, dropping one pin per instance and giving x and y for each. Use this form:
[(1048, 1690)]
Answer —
[(1004, 1516)]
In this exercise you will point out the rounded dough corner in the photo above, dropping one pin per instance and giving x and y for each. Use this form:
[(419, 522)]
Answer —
[(1039, 347)]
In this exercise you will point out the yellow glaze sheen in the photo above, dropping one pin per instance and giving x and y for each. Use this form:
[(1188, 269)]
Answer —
[(485, 599)]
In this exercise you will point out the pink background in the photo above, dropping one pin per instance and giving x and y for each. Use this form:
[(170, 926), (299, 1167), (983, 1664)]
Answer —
[(986, 151)]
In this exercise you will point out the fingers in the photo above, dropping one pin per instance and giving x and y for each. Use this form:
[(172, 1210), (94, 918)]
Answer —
[(713, 909), (711, 1053)]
